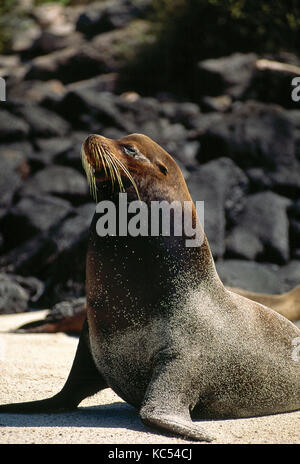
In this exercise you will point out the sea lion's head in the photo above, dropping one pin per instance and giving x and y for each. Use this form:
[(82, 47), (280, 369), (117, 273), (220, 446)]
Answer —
[(134, 164)]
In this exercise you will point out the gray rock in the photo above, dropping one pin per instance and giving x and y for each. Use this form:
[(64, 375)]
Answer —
[(50, 150), (11, 127), (60, 181), (253, 135), (13, 167), (265, 219), (290, 274), (68, 65), (44, 123), (251, 276), (13, 297), (272, 83), (32, 215), (242, 244), (221, 185), (109, 15), (231, 74)]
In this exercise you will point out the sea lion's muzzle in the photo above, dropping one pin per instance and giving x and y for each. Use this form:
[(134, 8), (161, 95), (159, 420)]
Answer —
[(102, 161)]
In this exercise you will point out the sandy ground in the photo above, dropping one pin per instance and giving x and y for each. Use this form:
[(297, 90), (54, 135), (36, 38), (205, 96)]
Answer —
[(36, 366)]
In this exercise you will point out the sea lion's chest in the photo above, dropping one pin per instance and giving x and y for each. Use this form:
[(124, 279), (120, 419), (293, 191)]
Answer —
[(126, 358)]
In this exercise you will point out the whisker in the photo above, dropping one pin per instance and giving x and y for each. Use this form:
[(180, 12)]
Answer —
[(111, 166), (117, 171), (128, 175), (89, 170)]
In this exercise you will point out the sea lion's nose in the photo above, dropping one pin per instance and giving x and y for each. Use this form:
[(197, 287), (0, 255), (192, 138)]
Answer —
[(92, 139)]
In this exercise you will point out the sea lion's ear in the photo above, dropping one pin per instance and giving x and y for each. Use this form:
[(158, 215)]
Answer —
[(163, 168)]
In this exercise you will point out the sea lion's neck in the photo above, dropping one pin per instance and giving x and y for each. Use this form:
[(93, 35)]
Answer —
[(127, 269)]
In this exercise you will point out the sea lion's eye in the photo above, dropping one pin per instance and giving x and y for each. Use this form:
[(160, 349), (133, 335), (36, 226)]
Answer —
[(163, 169), (129, 150)]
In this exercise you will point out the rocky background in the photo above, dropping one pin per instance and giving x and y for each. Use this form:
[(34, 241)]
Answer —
[(235, 133)]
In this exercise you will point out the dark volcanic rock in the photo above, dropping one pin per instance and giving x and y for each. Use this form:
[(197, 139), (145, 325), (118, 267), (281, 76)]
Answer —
[(290, 274), (13, 167), (68, 65), (71, 155), (30, 258), (93, 108), (16, 292), (32, 215), (271, 83), (36, 91), (254, 277), (109, 15), (221, 185), (265, 220), (231, 74), (44, 123), (60, 181), (242, 244), (66, 271), (11, 127), (253, 135), (57, 257), (49, 151), (13, 297)]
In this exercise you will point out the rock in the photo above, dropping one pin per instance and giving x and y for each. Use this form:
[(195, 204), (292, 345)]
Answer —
[(221, 185), (294, 234), (57, 257), (259, 179), (264, 217), (36, 91), (271, 83), (104, 54), (242, 244), (32, 215), (103, 83), (30, 258), (11, 127), (294, 117), (253, 135), (290, 274), (87, 210), (49, 41), (71, 155), (286, 180), (43, 123), (230, 75), (66, 271), (13, 168), (251, 276), (17, 292), (24, 35), (67, 65), (109, 15), (294, 210), (221, 103), (49, 151), (33, 286), (61, 181), (94, 108), (118, 46), (55, 17), (185, 113), (13, 297)]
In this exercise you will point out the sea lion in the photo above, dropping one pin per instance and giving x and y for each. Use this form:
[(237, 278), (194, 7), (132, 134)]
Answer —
[(69, 316), (162, 331)]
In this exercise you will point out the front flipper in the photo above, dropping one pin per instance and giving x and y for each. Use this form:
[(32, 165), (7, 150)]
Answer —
[(84, 380), (166, 405)]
